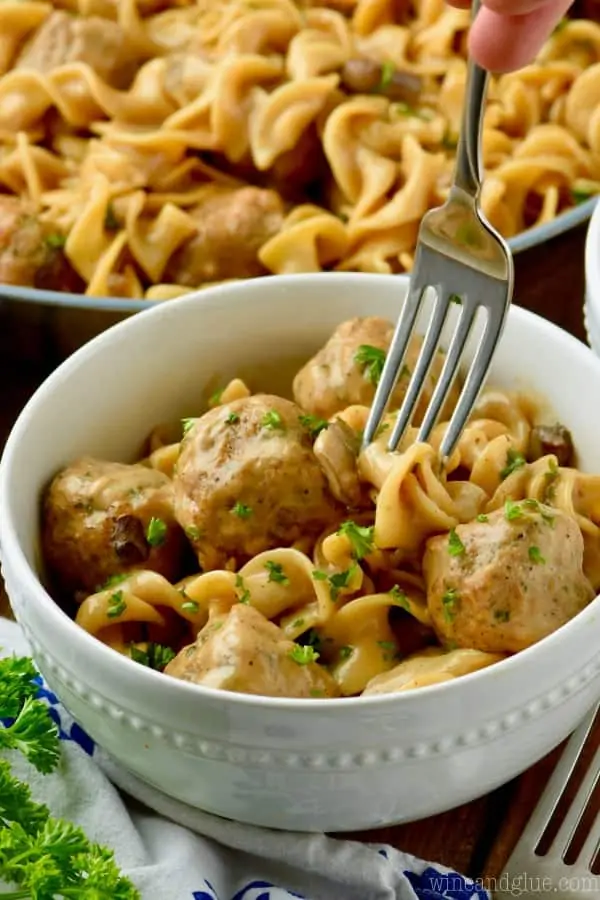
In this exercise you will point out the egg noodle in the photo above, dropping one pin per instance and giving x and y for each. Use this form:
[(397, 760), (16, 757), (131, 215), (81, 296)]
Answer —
[(130, 128), (362, 604)]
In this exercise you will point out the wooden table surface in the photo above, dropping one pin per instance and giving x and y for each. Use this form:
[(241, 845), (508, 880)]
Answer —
[(477, 838)]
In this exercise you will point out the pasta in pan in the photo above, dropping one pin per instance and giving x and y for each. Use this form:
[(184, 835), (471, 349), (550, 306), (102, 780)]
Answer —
[(261, 550), (151, 147)]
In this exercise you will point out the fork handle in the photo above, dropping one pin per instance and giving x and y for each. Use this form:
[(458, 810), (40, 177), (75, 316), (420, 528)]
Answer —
[(467, 175)]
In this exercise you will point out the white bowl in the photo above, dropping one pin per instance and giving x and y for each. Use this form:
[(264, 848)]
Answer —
[(592, 329), (592, 280), (294, 764)]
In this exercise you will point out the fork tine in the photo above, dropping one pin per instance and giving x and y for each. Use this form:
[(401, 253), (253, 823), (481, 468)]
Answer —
[(592, 842), (474, 381), (555, 788), (393, 362), (423, 364), (448, 373), (576, 810)]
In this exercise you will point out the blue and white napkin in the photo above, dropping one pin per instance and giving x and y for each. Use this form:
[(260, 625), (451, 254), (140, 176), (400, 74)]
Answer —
[(173, 852)]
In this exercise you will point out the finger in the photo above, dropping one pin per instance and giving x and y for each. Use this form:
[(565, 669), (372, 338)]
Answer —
[(516, 7), (503, 43), (504, 7)]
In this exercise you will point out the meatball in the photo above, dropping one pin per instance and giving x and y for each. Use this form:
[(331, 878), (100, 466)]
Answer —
[(247, 480), (504, 583), (31, 254), (101, 44), (246, 653), (102, 519), (233, 224), (346, 370)]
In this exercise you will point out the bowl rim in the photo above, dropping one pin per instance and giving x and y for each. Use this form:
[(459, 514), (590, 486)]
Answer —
[(33, 588), (518, 243), (592, 262)]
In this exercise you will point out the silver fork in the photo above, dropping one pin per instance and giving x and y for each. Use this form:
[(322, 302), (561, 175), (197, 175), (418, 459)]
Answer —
[(531, 875), (464, 260)]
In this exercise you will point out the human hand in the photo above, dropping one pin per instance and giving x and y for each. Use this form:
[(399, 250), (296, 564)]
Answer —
[(507, 34)]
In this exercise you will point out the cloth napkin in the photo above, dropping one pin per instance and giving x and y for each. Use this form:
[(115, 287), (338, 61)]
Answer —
[(173, 852)]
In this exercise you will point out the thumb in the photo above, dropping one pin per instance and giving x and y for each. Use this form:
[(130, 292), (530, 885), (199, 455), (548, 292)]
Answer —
[(503, 42)]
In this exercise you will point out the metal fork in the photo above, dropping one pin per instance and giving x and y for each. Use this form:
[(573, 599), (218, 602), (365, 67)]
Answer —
[(464, 260), (535, 876)]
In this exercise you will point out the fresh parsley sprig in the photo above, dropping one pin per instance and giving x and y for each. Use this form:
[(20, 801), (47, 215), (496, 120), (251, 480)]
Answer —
[(42, 857)]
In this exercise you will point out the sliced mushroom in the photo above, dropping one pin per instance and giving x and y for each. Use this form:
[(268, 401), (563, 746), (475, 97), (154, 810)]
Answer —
[(551, 439), (365, 76), (337, 448), (129, 540)]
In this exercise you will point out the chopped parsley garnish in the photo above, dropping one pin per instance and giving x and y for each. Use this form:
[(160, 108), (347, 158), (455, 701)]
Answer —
[(276, 572), (531, 503), (340, 580), (359, 536), (116, 605), (298, 623), (502, 615), (312, 638), (272, 419), (113, 580), (388, 70), (405, 110), (579, 196), (303, 654), (454, 298), (449, 603), (389, 650), (190, 606), (187, 425), (482, 517), (337, 581), (232, 419), (242, 511), (156, 532), (193, 532), (372, 360), (512, 510), (514, 461), (382, 429), (315, 692), (56, 241), (346, 652), (155, 656), (550, 477), (244, 596), (215, 399), (535, 555), (111, 223), (400, 597), (449, 141), (455, 545), (313, 424)]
